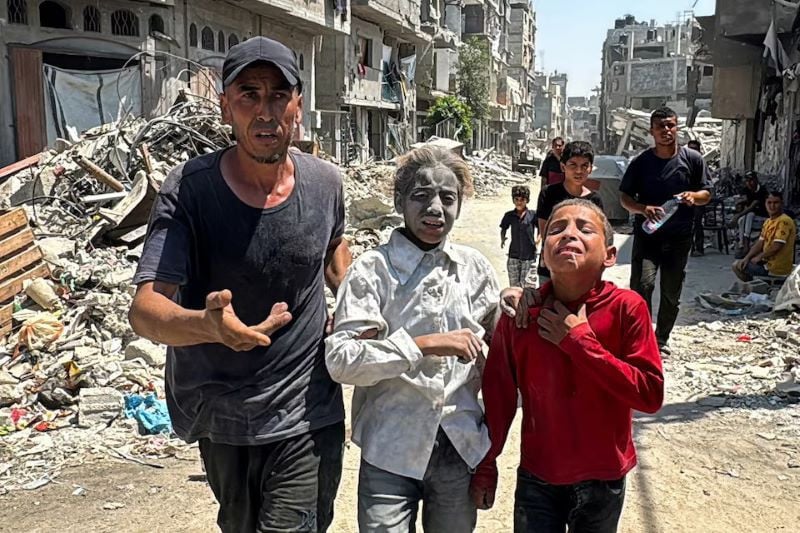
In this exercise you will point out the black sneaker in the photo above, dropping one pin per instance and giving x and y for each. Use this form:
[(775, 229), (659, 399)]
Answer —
[(665, 351)]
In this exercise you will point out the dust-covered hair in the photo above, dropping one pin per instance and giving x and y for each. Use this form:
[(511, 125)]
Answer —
[(581, 202), (431, 157)]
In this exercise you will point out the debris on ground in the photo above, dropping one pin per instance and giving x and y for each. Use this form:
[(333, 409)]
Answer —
[(737, 362)]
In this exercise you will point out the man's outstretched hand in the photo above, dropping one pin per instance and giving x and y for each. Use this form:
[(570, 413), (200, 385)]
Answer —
[(226, 327)]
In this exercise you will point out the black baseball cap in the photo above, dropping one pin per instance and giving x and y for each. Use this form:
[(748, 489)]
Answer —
[(258, 49)]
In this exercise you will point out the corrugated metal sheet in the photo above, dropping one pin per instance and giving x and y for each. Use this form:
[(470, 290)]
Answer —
[(28, 92)]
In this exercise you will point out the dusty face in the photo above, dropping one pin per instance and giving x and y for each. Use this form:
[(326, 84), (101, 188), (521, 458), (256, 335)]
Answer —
[(558, 148), (263, 110), (431, 205), (575, 241), (665, 131), (577, 169), (520, 203), (774, 206)]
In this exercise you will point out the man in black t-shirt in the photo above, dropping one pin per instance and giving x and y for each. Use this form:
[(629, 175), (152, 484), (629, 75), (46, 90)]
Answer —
[(754, 210), (657, 175), (551, 171), (232, 235), (522, 250)]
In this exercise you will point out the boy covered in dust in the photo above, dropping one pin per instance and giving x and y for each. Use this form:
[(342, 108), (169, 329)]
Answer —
[(410, 319), (590, 359)]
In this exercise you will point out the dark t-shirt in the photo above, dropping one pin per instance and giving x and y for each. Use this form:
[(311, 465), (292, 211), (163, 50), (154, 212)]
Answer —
[(759, 196), (652, 180), (551, 170), (553, 195), (203, 238), (523, 234)]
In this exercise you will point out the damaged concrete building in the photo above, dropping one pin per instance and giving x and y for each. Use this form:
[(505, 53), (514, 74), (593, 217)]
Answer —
[(550, 103), (508, 26), (437, 62), (645, 66), (366, 92), (72, 65), (754, 46)]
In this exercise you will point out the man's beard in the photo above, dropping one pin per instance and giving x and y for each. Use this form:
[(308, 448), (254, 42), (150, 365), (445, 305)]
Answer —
[(277, 157)]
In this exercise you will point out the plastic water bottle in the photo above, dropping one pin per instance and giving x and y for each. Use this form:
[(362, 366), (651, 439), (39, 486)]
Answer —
[(669, 207)]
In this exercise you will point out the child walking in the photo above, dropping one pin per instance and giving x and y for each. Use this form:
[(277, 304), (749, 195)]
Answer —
[(410, 319), (522, 250), (588, 358)]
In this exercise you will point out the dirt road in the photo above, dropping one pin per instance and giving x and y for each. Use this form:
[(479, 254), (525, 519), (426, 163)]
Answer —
[(702, 469)]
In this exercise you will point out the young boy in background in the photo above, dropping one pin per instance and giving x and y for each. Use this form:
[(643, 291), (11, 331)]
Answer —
[(522, 250), (409, 322), (577, 161), (587, 362)]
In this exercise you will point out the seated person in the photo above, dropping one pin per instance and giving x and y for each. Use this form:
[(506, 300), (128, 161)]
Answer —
[(773, 252), (753, 210)]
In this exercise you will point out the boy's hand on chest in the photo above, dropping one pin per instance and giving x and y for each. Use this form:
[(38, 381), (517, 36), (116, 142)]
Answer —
[(556, 321)]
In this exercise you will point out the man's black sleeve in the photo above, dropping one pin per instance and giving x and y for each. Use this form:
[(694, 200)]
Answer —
[(630, 181)]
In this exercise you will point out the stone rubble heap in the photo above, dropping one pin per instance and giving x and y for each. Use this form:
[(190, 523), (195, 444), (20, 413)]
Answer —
[(741, 362)]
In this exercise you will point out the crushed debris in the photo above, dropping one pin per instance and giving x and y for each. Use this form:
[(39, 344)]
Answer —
[(751, 362)]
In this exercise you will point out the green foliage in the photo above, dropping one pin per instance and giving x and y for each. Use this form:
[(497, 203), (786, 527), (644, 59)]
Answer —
[(451, 107), (473, 76)]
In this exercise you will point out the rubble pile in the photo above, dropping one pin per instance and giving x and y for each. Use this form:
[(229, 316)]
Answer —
[(633, 129), (492, 174), (743, 362), (73, 357)]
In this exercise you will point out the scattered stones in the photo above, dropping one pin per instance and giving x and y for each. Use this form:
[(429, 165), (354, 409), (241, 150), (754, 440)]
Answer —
[(99, 405), (154, 355)]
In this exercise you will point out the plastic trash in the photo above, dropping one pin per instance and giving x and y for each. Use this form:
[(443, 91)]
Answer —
[(669, 207), (150, 412)]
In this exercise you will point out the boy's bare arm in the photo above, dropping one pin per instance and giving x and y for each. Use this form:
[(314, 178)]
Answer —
[(155, 316)]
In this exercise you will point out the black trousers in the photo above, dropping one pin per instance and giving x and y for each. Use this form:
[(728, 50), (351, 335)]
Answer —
[(669, 254), (289, 485), (699, 234), (586, 507)]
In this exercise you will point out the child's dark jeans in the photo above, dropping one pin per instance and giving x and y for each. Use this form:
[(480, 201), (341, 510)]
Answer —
[(585, 507)]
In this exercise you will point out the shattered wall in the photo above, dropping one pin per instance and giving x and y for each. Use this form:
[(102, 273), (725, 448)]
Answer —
[(732, 144), (771, 160), (657, 78)]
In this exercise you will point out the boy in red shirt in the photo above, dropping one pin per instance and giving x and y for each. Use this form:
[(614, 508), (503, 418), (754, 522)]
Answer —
[(587, 362)]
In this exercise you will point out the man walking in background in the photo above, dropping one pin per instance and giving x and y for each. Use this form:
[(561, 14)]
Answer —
[(551, 171), (657, 175)]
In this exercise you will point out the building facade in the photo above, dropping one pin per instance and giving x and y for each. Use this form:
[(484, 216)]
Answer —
[(646, 66), (146, 50), (755, 89)]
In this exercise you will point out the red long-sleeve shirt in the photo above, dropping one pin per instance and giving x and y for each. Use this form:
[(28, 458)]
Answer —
[(577, 397)]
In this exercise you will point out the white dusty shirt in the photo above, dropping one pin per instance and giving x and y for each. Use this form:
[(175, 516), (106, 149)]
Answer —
[(401, 398)]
